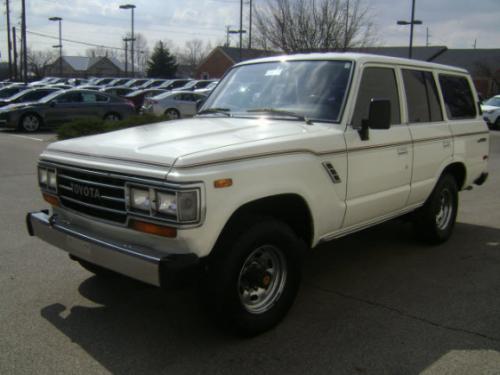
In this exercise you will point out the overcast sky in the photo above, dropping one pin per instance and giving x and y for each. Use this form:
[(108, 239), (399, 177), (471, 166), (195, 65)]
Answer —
[(455, 23)]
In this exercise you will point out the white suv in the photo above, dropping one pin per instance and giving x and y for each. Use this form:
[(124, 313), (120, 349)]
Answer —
[(286, 153)]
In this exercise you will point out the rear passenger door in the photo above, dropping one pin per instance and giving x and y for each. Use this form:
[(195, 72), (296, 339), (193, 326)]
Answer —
[(432, 139)]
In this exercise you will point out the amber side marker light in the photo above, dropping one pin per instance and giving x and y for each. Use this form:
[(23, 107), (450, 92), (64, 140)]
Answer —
[(151, 228), (54, 201), (223, 183)]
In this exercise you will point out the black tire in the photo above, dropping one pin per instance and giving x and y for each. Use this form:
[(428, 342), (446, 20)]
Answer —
[(96, 270), (435, 221), (496, 126), (112, 116), (237, 268), (30, 122), (172, 114)]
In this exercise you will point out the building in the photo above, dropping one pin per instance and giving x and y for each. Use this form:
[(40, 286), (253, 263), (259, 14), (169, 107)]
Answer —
[(222, 58), (483, 64), (83, 66)]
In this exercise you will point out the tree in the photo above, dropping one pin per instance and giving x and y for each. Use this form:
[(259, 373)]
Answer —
[(101, 52), (313, 25), (161, 64), (39, 61)]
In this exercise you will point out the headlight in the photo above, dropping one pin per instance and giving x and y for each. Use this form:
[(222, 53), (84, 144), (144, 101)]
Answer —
[(47, 178), (52, 179), (187, 205), (166, 203), (139, 199), (42, 176)]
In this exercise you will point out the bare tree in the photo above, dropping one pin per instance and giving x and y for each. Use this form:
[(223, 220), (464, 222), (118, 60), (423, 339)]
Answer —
[(101, 52), (39, 61), (141, 51), (193, 53), (314, 25)]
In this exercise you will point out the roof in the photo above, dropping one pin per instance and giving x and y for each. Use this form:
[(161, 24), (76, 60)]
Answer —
[(358, 57), (83, 63), (246, 54)]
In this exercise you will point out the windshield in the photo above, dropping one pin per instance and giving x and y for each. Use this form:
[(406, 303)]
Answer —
[(313, 89), (50, 97), (494, 102)]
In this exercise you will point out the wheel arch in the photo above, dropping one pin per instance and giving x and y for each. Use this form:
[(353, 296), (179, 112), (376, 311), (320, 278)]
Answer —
[(27, 113), (458, 171)]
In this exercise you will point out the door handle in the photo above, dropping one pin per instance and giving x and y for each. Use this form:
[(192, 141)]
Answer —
[(402, 150), (481, 140), (446, 143)]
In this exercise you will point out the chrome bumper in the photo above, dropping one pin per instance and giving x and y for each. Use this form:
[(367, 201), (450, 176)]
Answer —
[(144, 264)]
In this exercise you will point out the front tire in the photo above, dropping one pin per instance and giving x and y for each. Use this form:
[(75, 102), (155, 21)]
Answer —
[(435, 221), (254, 277), (172, 114), (30, 123)]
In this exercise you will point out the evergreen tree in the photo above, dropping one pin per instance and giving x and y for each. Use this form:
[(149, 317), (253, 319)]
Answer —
[(161, 64)]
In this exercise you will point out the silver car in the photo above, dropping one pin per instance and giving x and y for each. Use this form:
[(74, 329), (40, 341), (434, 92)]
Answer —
[(174, 105)]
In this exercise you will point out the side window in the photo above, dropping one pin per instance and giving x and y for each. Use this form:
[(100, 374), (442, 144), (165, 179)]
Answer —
[(377, 83), (457, 96), (421, 96), (88, 97), (72, 97), (101, 98)]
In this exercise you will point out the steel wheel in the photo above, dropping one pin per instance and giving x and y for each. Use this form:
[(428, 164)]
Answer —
[(262, 279), (172, 114), (445, 209), (30, 123)]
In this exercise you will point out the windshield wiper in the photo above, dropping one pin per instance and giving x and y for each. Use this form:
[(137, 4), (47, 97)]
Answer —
[(224, 111), (282, 112)]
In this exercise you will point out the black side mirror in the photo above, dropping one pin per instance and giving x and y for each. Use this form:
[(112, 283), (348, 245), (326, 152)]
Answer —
[(199, 103), (379, 117), (53, 103)]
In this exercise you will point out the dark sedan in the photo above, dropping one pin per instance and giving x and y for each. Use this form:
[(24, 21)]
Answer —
[(64, 106), (28, 95), (8, 91), (117, 90)]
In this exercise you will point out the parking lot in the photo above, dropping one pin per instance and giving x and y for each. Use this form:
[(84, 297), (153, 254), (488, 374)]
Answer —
[(377, 302)]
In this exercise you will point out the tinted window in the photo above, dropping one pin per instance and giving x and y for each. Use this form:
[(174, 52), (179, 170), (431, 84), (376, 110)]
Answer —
[(421, 96), (457, 96), (101, 98), (72, 97), (377, 83), (34, 95), (89, 97)]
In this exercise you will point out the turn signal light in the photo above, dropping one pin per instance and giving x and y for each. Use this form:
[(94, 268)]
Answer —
[(52, 200), (223, 183), (150, 228)]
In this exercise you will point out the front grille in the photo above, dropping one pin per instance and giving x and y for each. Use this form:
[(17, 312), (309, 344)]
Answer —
[(92, 193)]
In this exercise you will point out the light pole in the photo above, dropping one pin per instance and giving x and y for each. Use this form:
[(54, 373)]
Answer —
[(126, 40), (59, 19), (411, 23), (132, 39)]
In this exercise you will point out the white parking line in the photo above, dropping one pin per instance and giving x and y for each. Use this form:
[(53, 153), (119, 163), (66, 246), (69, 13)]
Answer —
[(26, 137)]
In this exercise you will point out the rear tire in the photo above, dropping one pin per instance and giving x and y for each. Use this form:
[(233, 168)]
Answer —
[(253, 278), (434, 222), (30, 122), (172, 114)]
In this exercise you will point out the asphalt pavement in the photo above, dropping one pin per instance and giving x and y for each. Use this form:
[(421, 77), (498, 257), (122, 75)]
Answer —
[(376, 302)]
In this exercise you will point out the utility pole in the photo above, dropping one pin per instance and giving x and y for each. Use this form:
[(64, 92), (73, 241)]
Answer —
[(15, 51), (23, 36), (346, 25), (241, 29), (126, 40), (59, 19), (9, 44), (132, 38), (412, 23), (250, 26), (475, 43), (427, 36), (228, 29)]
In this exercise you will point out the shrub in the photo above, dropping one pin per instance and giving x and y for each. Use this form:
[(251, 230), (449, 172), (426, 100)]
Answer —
[(89, 126)]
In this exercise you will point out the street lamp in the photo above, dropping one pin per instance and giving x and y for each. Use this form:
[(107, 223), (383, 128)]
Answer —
[(132, 39), (411, 23), (59, 19), (126, 40)]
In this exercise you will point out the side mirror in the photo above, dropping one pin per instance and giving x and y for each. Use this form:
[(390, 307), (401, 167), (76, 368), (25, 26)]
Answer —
[(379, 117), (53, 103), (199, 103)]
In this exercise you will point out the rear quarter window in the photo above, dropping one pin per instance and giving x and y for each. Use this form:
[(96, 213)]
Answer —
[(457, 95)]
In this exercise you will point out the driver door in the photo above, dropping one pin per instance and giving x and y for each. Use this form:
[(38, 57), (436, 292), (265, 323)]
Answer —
[(379, 168), (63, 108)]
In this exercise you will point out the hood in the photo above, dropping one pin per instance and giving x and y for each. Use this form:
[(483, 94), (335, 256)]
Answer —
[(488, 108), (199, 140)]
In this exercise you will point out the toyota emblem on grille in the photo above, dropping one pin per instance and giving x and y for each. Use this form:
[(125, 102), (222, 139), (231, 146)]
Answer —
[(85, 191)]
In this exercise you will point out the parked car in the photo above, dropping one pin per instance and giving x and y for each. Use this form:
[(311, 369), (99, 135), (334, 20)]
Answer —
[(173, 104), (135, 83), (208, 89), (288, 152), (101, 81), (118, 82), (194, 85), (152, 83), (8, 91), (28, 95), (89, 87), (43, 81), (117, 90), (137, 96), (491, 112), (174, 84), (63, 106)]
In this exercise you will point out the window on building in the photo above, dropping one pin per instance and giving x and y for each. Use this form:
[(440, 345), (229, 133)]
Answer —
[(457, 96), (377, 83), (421, 96)]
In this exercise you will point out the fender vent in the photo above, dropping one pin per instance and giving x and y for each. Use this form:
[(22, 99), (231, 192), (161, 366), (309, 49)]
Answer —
[(332, 172)]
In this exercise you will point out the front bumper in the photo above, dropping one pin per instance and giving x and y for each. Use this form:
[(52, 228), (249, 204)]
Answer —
[(141, 263)]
